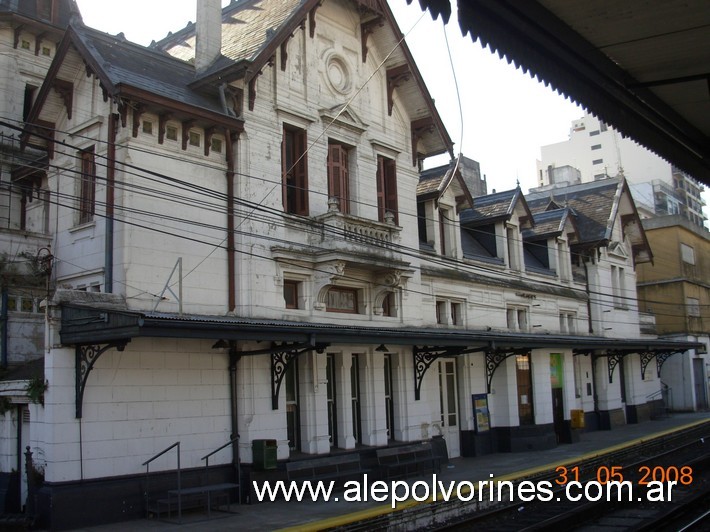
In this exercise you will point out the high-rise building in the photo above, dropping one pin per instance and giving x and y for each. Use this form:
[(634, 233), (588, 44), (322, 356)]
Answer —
[(597, 151)]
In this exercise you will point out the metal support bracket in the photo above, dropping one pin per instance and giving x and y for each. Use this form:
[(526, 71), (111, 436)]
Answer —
[(613, 358), (646, 357), (281, 358), (86, 357), (495, 357), (425, 356), (661, 358)]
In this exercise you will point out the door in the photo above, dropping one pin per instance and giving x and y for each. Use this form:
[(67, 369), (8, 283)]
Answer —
[(448, 402), (525, 390), (389, 404), (331, 401), (293, 421), (355, 398), (558, 407), (701, 397), (558, 415)]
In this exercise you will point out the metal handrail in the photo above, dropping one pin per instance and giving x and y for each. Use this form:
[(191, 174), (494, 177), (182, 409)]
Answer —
[(147, 477), (161, 453), (206, 458), (218, 449)]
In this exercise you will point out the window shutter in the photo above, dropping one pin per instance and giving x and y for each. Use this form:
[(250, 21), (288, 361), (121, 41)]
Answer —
[(390, 183), (338, 175), (380, 188), (301, 173)]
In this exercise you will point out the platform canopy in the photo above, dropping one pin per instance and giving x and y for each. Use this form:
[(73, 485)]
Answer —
[(641, 66)]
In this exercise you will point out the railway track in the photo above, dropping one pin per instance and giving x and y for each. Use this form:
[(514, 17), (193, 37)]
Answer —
[(682, 457)]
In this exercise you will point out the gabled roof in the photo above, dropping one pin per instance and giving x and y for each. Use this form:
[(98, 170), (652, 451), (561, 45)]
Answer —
[(254, 30), (248, 28), (594, 204), (550, 223), (435, 181), (494, 207), (127, 70), (597, 207)]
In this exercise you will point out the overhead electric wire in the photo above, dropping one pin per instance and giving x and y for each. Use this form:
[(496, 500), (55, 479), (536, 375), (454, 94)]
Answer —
[(446, 261)]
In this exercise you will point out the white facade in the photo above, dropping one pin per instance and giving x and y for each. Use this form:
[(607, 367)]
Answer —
[(298, 305)]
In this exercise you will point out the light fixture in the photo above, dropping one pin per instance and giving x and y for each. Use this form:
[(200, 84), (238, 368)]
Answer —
[(382, 348), (220, 344)]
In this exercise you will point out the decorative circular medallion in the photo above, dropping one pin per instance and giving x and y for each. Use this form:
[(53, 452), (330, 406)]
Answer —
[(338, 74)]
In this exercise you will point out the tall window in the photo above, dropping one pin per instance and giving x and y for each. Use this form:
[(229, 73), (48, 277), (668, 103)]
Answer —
[(293, 422), (331, 400), (294, 171), (386, 188), (389, 403), (338, 179), (87, 191), (355, 398), (525, 390)]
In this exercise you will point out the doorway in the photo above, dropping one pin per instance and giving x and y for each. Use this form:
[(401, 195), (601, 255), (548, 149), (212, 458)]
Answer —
[(558, 406), (448, 403), (701, 397), (525, 389), (293, 418), (331, 401)]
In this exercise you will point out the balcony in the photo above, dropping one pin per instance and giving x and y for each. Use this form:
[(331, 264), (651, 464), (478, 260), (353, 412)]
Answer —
[(340, 231)]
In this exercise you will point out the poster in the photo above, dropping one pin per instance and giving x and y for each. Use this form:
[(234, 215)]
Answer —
[(481, 415)]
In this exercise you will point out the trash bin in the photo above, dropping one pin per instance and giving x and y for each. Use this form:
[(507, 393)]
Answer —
[(263, 454), (577, 421)]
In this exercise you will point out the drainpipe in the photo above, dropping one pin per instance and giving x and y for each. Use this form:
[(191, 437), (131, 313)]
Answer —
[(591, 331), (233, 361), (3, 330), (231, 282), (110, 178)]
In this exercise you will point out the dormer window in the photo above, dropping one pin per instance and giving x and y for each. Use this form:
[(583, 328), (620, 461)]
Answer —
[(45, 10)]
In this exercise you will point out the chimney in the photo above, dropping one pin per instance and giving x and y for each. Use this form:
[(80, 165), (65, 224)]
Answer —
[(208, 44)]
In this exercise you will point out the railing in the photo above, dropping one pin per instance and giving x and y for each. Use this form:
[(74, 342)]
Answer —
[(206, 458), (660, 403), (147, 476), (356, 229)]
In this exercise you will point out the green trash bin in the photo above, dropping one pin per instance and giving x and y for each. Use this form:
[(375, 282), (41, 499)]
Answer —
[(264, 454)]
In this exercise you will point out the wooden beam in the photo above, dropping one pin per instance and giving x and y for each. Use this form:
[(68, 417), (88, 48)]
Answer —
[(162, 122), (186, 125), (395, 77), (209, 133), (65, 89), (137, 113), (366, 29), (419, 128)]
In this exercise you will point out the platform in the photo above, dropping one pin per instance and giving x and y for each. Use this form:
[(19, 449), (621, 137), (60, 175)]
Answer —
[(304, 516)]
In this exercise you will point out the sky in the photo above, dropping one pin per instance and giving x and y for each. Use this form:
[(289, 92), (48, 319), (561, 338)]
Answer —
[(504, 115)]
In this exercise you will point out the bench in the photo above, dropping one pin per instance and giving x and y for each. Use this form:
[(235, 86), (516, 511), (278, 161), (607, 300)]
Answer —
[(336, 467), (196, 497), (404, 459)]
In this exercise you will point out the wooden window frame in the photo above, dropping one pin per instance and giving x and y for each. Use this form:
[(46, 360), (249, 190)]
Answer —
[(387, 188), (339, 174), (293, 287), (87, 188), (294, 168)]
